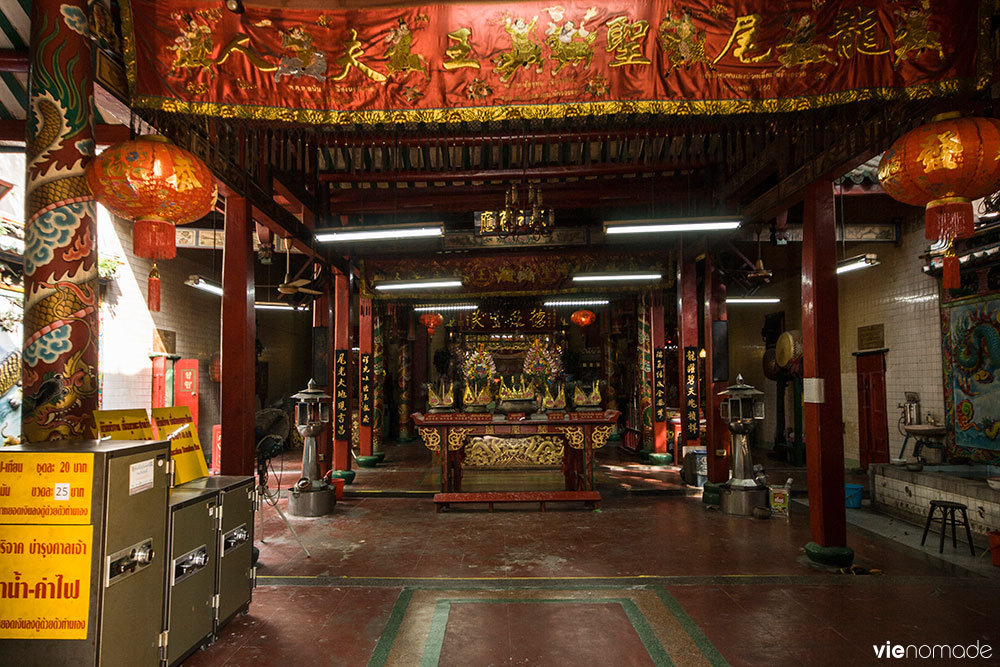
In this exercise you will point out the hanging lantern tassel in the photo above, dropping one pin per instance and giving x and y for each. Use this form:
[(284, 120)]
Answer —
[(153, 289), (948, 219), (154, 238), (951, 273)]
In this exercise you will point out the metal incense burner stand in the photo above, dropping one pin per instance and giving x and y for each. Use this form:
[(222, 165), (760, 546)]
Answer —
[(311, 496), (741, 409)]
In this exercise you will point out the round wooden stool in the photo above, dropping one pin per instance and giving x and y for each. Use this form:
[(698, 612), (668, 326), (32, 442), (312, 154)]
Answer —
[(948, 510)]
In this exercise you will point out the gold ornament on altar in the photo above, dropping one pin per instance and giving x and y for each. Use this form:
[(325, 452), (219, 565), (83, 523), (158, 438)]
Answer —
[(516, 390), (557, 402), (443, 399), (585, 401), (475, 397)]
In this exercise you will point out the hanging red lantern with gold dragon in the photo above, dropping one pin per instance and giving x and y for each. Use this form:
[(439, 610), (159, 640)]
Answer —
[(431, 321), (582, 318), (943, 166), (158, 185)]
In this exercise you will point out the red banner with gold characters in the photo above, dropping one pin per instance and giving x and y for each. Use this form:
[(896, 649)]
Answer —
[(481, 62)]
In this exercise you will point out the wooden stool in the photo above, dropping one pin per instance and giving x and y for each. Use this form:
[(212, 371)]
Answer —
[(948, 509)]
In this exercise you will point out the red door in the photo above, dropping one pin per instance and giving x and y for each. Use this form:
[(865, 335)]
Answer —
[(186, 386), (873, 425)]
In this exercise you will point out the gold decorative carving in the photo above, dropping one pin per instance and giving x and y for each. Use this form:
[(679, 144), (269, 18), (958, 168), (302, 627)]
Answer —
[(431, 438), (574, 436), (456, 438), (599, 436), (496, 452)]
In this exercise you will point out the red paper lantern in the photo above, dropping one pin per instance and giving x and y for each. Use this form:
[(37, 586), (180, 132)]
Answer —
[(583, 318), (158, 185), (431, 320), (215, 368), (943, 166)]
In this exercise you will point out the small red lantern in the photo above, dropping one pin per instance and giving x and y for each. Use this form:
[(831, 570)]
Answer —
[(583, 318), (215, 368), (431, 320), (943, 166), (158, 185)]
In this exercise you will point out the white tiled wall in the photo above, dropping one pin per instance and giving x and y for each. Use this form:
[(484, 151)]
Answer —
[(914, 499)]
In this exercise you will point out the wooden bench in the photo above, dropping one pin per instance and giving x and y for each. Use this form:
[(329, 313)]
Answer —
[(588, 498)]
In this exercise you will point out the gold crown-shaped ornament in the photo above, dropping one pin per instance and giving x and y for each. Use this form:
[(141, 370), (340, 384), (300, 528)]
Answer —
[(516, 391), (472, 397), (582, 399), (444, 399), (557, 402)]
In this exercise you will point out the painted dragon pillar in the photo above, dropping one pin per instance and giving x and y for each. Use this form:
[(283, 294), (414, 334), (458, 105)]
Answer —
[(59, 368)]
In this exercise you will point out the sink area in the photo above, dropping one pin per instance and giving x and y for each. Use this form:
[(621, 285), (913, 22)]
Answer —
[(926, 430)]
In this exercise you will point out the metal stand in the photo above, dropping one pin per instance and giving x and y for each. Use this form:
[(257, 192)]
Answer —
[(266, 496)]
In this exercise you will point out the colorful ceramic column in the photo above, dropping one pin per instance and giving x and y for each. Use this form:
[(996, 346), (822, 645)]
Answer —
[(59, 361)]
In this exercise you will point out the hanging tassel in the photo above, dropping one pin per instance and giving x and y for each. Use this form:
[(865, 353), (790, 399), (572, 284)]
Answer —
[(153, 289), (154, 239), (949, 218), (952, 273)]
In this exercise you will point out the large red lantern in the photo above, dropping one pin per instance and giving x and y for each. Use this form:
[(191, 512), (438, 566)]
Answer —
[(583, 318), (431, 320), (158, 185), (943, 166)]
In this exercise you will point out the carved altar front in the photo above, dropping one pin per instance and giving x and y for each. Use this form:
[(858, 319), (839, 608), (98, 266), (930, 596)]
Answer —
[(566, 439)]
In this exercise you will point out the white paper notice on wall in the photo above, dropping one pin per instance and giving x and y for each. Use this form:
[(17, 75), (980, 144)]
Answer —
[(140, 477), (813, 390)]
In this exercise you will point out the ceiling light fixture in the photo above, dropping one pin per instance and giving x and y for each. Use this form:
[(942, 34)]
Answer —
[(573, 303), (445, 307), (604, 277), (752, 299), (858, 262), (383, 233), (274, 305), (670, 225), (418, 284), (204, 285)]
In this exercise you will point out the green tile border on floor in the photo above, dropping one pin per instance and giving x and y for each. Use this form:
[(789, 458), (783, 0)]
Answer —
[(388, 636)]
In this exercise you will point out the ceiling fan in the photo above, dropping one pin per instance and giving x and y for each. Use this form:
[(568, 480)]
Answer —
[(294, 286)]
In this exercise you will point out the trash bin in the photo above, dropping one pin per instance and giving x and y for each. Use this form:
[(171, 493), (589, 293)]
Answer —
[(852, 495)]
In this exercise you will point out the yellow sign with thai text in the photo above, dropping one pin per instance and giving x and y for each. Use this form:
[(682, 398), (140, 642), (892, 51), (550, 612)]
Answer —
[(175, 424), (43, 487), (45, 581), (123, 424)]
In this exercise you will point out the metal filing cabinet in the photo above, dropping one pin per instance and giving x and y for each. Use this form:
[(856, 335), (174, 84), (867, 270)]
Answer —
[(84, 522), (193, 545), (235, 574)]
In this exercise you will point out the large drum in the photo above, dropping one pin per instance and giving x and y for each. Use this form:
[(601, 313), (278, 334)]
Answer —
[(788, 351)]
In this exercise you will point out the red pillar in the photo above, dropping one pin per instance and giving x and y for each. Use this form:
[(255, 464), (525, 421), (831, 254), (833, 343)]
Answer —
[(341, 337), (658, 335), (366, 375), (687, 327), (821, 369), (322, 317), (716, 431), (239, 335)]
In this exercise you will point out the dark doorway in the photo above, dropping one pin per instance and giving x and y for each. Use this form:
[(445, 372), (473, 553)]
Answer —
[(873, 427)]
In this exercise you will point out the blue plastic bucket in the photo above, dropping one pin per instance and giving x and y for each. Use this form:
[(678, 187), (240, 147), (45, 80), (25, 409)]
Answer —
[(852, 495)]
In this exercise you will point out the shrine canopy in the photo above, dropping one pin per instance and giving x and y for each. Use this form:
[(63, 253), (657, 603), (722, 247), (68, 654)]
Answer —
[(530, 60)]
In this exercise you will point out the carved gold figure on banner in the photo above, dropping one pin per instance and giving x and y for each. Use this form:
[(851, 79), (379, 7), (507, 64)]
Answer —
[(305, 61), (914, 34), (801, 49), (458, 52), (400, 40), (744, 37), (570, 44), (625, 40), (352, 59), (683, 44), (942, 151), (524, 52), (193, 46), (856, 29)]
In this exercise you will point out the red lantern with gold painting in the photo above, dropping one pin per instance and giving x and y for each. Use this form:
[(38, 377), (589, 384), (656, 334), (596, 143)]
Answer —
[(158, 185), (582, 318), (943, 166), (431, 321)]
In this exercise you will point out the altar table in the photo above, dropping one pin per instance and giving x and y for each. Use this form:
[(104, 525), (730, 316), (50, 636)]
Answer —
[(566, 438)]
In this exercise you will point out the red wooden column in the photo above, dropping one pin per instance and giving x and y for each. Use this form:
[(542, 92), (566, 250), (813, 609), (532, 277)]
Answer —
[(716, 431), (821, 369), (239, 335), (658, 335), (322, 316), (687, 327), (366, 376), (341, 337)]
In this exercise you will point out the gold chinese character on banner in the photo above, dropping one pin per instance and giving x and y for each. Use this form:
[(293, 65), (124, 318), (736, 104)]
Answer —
[(352, 58), (744, 36), (856, 29), (538, 318), (625, 40), (458, 52)]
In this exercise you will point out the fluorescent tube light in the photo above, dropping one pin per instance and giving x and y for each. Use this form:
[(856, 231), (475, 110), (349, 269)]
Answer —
[(204, 285), (445, 307), (348, 234), (418, 284), (603, 277), (668, 225), (575, 302), (859, 262), (752, 299), (273, 305)]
